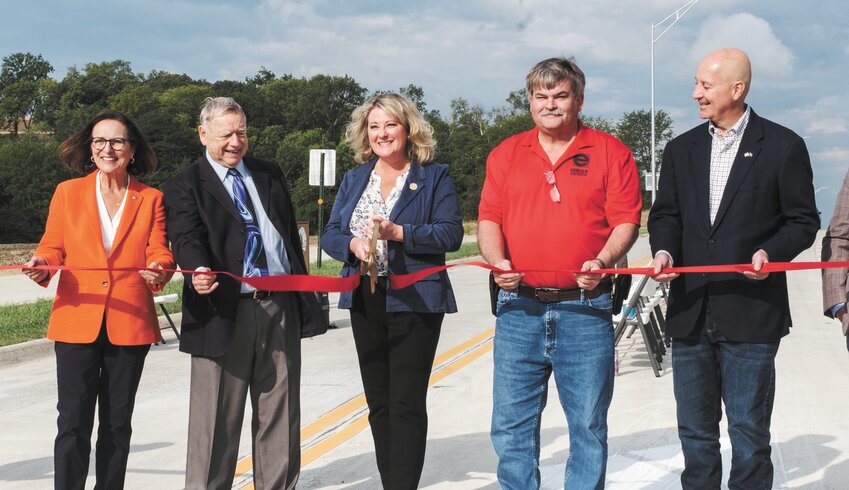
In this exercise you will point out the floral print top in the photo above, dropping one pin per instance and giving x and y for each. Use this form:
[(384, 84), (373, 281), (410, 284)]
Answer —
[(371, 203)]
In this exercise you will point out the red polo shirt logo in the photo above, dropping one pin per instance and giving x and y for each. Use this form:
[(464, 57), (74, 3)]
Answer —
[(580, 160)]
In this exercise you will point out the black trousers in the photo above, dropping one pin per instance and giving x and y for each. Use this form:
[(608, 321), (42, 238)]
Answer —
[(395, 352), (102, 373)]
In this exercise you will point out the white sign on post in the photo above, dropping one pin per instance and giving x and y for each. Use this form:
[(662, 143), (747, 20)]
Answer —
[(649, 181), (329, 167)]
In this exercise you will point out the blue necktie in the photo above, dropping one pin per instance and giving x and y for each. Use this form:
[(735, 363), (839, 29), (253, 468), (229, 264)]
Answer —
[(255, 261)]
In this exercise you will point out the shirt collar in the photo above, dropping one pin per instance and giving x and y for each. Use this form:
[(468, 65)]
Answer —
[(221, 170), (532, 137), (734, 131)]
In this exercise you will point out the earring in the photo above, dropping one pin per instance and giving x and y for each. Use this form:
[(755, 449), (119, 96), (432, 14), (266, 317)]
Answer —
[(91, 158), (132, 160)]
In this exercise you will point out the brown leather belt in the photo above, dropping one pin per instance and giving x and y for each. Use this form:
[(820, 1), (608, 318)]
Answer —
[(553, 295)]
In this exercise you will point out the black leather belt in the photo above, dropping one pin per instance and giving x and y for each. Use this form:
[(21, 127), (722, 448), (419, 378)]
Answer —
[(553, 295), (256, 294)]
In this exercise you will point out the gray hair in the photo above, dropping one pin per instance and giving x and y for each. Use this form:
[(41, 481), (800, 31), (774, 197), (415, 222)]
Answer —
[(217, 106), (548, 73)]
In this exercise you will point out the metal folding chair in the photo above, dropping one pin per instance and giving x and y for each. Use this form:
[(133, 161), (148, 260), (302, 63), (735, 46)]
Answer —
[(161, 301)]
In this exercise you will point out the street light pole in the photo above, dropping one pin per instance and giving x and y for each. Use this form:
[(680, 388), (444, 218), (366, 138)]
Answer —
[(674, 16)]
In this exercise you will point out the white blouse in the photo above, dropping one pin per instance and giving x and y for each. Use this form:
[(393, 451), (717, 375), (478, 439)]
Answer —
[(371, 203), (109, 227)]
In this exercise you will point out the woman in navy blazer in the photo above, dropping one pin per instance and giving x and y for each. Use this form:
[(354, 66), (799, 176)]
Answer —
[(395, 330)]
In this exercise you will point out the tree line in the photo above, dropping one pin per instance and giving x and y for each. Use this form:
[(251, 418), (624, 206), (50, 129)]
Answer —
[(287, 116)]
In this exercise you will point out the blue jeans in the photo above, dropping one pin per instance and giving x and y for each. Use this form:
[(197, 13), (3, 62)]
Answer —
[(574, 340), (711, 370)]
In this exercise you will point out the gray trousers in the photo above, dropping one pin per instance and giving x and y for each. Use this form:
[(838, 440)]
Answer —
[(265, 360)]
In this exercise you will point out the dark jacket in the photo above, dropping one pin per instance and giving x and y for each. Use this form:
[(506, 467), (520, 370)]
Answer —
[(205, 230), (429, 211), (768, 204)]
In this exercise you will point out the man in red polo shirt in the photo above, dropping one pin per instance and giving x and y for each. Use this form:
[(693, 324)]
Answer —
[(560, 197)]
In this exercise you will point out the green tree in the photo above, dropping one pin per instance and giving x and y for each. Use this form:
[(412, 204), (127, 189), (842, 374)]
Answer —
[(328, 103), (517, 102), (468, 146), (24, 88), (265, 140), (293, 156), (262, 77), (634, 129), (177, 140), (83, 94), (160, 81), (299, 104), (30, 169), (416, 94), (598, 122)]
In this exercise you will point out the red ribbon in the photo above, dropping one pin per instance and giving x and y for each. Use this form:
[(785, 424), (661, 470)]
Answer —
[(403, 280), (296, 282)]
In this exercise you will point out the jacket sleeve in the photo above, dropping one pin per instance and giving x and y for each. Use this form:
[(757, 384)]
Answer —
[(185, 228), (665, 224), (799, 217), (335, 240), (835, 248), (157, 246), (51, 248), (444, 232)]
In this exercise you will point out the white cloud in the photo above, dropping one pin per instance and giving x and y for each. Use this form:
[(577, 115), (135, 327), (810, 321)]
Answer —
[(827, 125), (836, 154), (827, 115), (769, 55), (285, 11)]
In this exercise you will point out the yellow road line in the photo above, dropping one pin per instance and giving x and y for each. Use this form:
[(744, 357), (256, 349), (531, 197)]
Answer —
[(461, 362), (357, 425), (330, 418)]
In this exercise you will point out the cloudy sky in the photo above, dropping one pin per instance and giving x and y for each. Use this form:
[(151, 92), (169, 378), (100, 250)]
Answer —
[(478, 49)]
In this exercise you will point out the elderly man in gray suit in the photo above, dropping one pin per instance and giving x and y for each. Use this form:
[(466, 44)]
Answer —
[(835, 248)]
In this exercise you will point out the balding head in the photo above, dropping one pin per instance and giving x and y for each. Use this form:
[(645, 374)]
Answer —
[(731, 65), (722, 83)]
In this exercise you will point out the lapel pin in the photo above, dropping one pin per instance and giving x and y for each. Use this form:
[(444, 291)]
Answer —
[(748, 154), (134, 197), (414, 186)]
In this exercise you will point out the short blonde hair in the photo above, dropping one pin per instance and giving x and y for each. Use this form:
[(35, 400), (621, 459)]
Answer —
[(420, 142)]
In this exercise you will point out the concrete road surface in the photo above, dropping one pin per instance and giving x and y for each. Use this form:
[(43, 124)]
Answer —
[(810, 423)]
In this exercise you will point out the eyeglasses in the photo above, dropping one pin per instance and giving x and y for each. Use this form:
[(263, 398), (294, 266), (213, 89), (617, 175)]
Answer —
[(554, 193), (117, 144)]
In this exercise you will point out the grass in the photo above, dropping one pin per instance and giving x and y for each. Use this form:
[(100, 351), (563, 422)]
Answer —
[(28, 321), (467, 249), (329, 268), (19, 323)]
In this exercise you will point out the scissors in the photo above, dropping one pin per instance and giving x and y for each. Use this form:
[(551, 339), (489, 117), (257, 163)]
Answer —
[(369, 266)]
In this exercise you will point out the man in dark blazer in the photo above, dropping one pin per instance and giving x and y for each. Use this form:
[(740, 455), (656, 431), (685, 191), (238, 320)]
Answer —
[(737, 189), (835, 248), (229, 212)]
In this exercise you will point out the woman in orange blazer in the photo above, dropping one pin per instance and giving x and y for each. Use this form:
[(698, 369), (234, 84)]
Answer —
[(103, 322)]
